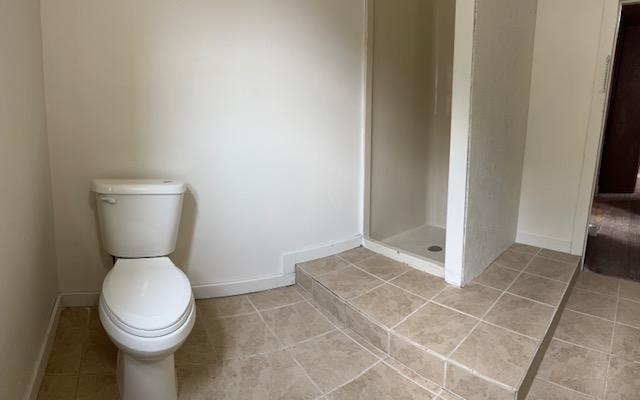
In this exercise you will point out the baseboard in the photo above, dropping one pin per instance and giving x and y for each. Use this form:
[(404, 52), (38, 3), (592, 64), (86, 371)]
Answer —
[(290, 259), (80, 299), (233, 288), (416, 262), (544, 242), (45, 351)]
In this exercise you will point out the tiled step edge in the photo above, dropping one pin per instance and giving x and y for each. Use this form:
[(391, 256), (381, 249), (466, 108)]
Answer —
[(429, 364), (527, 380)]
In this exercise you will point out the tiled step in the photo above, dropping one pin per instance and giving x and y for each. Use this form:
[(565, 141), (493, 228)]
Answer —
[(484, 341)]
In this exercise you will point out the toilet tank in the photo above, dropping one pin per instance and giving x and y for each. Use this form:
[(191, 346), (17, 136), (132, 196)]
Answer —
[(139, 217)]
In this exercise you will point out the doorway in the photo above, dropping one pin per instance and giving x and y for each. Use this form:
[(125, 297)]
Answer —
[(613, 242)]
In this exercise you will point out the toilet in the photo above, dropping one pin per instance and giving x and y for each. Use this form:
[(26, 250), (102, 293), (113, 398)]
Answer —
[(146, 305)]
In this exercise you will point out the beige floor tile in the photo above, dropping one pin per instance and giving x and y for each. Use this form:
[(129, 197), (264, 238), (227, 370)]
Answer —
[(447, 395), (630, 289), (497, 277), (382, 267), (437, 328), (67, 350), (357, 254), (94, 319), (471, 387), (574, 367), (420, 283), (538, 288), (98, 387), (628, 313), (514, 259), (330, 303), (598, 283), (370, 330), (496, 353), (521, 315), (349, 282), (381, 382), (412, 375), (323, 266), (472, 299), (58, 387), (543, 390), (275, 297), (559, 256), (239, 336), (295, 323), (387, 304), (585, 330), (623, 380), (364, 343), (626, 342), (303, 292), (100, 355), (196, 350), (427, 364), (592, 303), (551, 269), (74, 317), (224, 307), (304, 280), (332, 360), (524, 248), (268, 376)]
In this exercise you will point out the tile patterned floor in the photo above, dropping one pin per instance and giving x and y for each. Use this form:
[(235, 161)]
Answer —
[(595, 351), (300, 342), (484, 336)]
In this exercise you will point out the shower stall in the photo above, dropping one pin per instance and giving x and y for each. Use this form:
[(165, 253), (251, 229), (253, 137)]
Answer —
[(410, 67)]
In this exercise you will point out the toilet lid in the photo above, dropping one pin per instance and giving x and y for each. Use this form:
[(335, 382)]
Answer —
[(147, 294)]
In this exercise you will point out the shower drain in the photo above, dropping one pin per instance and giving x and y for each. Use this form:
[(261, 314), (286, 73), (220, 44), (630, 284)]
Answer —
[(434, 249)]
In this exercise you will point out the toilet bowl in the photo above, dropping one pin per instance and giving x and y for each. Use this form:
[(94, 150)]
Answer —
[(147, 309), (146, 305)]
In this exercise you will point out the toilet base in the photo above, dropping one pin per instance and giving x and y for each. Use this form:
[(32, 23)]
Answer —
[(140, 379)]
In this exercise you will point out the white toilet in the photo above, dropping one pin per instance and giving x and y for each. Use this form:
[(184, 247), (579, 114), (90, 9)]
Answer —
[(146, 305)]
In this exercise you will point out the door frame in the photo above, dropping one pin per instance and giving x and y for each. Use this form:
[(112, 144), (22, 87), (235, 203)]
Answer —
[(601, 97)]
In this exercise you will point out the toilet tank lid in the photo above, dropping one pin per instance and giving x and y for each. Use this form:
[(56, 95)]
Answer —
[(138, 186)]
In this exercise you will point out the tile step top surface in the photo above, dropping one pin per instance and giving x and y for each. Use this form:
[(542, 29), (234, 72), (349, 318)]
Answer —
[(483, 341)]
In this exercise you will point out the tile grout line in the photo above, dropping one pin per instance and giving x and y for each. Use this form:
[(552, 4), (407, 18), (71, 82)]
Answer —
[(567, 388), (351, 380), (613, 334), (285, 348), (411, 379), (449, 359), (556, 312)]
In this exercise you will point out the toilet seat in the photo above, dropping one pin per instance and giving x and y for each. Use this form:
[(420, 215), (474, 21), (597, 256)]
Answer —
[(147, 297)]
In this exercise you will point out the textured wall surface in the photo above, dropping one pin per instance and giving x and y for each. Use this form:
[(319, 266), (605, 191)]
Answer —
[(503, 50)]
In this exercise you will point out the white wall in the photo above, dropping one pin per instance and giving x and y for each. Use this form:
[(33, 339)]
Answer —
[(439, 133), (564, 71), (410, 114), (256, 105), (502, 57), (27, 268)]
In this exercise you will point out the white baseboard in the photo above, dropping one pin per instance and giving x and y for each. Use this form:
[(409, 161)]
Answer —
[(45, 351), (544, 241), (232, 288), (80, 299), (415, 262), (290, 259)]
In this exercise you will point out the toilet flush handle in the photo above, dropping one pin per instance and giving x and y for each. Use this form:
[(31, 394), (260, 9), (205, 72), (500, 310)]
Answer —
[(109, 200)]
